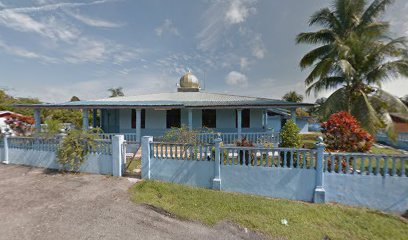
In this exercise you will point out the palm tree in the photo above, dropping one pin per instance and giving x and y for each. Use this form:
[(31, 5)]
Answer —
[(293, 96), (116, 92), (354, 57)]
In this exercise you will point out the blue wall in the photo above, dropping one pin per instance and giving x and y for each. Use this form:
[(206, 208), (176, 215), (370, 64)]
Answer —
[(385, 193), (156, 121)]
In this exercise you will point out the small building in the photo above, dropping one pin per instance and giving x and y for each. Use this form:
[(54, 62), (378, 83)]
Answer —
[(154, 114)]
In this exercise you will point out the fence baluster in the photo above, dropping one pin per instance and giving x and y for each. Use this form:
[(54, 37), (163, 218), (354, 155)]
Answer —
[(291, 158), (385, 172), (402, 166), (377, 165), (370, 166), (304, 160), (394, 166)]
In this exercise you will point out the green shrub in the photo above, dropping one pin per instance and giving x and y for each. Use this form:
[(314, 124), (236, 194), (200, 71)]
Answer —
[(74, 148), (289, 135)]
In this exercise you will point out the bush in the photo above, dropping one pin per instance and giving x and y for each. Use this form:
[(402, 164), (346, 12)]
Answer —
[(74, 148), (181, 135), (289, 135), (342, 132), (245, 143)]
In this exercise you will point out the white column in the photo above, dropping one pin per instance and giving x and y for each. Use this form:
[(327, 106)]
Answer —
[(117, 158), (293, 114), (146, 161), (190, 119), (37, 120), (239, 123), (217, 166), (6, 148), (138, 124), (266, 119), (85, 119)]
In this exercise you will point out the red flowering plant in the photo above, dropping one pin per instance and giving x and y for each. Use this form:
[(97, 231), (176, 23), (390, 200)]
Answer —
[(342, 133), (21, 126)]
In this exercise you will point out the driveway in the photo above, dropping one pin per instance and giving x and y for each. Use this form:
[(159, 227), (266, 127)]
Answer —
[(40, 204)]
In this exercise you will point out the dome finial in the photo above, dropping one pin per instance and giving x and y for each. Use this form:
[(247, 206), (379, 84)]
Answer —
[(189, 83)]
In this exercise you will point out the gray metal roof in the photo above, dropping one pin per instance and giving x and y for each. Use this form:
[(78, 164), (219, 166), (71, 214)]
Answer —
[(175, 100)]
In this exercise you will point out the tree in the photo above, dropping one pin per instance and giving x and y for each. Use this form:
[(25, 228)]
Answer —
[(74, 99), (293, 96), (116, 92), (314, 111), (289, 135), (355, 56), (404, 99), (7, 101)]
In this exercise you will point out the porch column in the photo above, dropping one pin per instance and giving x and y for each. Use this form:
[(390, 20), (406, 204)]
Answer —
[(94, 116), (239, 123), (85, 119), (190, 119), (266, 119), (138, 124), (37, 120), (100, 118), (293, 114)]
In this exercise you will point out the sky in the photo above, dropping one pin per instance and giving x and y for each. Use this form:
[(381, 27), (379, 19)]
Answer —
[(54, 49)]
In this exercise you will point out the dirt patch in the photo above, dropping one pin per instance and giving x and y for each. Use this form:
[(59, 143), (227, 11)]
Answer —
[(41, 204)]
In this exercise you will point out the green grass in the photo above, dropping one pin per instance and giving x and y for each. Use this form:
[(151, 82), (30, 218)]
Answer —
[(306, 220), (135, 164)]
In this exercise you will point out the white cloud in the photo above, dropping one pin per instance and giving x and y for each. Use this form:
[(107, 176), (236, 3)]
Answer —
[(258, 47), (244, 63), (49, 27), (21, 52), (236, 79), (55, 6), (238, 11), (98, 51), (220, 17), (167, 27), (93, 22)]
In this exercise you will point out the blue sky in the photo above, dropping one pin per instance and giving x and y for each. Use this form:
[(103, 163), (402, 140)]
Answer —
[(54, 49)]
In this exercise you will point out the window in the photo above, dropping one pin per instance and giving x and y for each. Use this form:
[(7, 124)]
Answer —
[(245, 118), (173, 118), (209, 118), (142, 116)]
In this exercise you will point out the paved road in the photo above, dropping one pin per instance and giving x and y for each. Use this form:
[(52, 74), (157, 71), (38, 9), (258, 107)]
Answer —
[(36, 204)]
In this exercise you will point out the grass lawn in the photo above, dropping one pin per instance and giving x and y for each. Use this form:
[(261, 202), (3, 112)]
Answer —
[(306, 220)]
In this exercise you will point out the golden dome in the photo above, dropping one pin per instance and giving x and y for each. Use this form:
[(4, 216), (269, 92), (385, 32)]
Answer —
[(189, 83)]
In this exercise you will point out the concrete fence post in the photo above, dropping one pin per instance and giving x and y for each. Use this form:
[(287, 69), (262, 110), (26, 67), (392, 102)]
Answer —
[(6, 148), (117, 158), (146, 153), (319, 192), (217, 165)]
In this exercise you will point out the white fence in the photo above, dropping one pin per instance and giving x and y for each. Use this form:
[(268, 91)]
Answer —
[(107, 157), (375, 181)]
